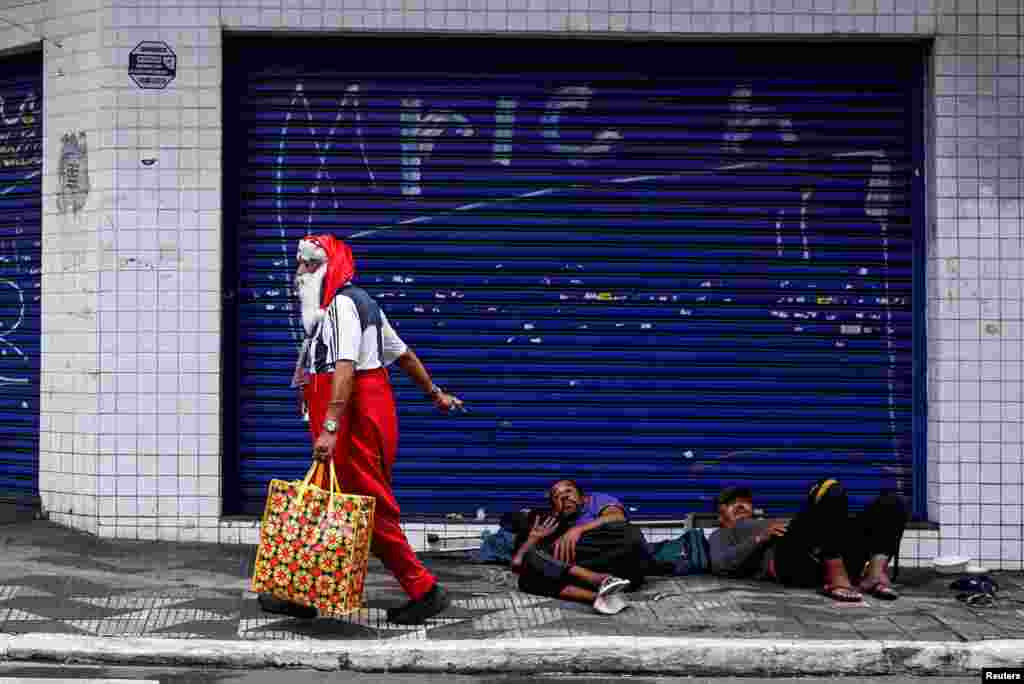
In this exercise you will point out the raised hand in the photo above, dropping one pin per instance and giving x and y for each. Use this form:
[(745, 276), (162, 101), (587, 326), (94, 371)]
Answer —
[(543, 528)]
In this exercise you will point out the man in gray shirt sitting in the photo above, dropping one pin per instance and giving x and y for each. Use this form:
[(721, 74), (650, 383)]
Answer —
[(820, 546)]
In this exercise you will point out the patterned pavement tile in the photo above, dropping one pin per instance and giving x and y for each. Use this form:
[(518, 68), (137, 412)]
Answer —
[(272, 628), (39, 627), (206, 629), (160, 620), (135, 602), (44, 585), (547, 632), (228, 557), (72, 583), (90, 564), (509, 620), (145, 621), (59, 608), (18, 615), (414, 634), (130, 624), (80, 586), (372, 618), (102, 628), (225, 607)]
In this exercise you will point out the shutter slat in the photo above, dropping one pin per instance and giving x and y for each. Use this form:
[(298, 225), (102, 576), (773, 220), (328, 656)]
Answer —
[(20, 266), (659, 273)]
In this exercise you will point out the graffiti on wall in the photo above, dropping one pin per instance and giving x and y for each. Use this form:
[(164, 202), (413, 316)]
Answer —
[(424, 128), (20, 162), (20, 146), (73, 172), (514, 133)]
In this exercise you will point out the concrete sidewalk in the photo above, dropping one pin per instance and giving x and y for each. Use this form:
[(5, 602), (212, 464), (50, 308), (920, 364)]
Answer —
[(69, 595)]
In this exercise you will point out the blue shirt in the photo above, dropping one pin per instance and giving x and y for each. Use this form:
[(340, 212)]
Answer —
[(593, 504)]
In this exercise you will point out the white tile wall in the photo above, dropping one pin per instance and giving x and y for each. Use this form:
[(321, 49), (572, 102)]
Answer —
[(131, 285)]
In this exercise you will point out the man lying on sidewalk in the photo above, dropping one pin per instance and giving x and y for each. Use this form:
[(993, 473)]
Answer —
[(820, 546), (583, 550), (541, 573)]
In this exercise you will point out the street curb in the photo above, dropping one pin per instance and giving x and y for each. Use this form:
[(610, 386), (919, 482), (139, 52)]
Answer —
[(591, 654)]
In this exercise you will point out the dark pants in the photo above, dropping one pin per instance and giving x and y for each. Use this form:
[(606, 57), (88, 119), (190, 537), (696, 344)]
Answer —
[(824, 530), (616, 548)]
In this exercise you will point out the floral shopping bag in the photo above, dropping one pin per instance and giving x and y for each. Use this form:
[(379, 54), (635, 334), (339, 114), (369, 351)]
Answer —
[(314, 543)]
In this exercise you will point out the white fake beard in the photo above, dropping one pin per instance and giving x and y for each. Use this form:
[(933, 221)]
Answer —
[(308, 286)]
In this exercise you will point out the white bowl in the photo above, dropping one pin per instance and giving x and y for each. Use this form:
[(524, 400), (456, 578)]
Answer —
[(951, 565)]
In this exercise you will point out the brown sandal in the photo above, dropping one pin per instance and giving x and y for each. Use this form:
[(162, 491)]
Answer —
[(842, 593)]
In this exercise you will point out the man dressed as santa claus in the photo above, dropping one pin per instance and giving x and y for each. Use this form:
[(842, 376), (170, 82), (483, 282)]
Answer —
[(342, 370)]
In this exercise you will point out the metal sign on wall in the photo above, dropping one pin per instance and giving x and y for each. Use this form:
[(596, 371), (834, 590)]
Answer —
[(659, 276), (152, 64)]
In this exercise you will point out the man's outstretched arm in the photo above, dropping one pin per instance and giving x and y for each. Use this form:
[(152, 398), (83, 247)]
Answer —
[(414, 368)]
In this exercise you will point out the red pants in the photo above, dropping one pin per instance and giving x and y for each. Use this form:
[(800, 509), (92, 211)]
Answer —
[(363, 458)]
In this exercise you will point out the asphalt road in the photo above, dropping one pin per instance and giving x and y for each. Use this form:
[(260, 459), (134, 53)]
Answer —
[(30, 673)]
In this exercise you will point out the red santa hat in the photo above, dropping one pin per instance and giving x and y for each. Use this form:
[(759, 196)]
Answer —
[(336, 256), (341, 266)]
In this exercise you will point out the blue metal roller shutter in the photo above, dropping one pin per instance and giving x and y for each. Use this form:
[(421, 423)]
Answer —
[(655, 268), (21, 100)]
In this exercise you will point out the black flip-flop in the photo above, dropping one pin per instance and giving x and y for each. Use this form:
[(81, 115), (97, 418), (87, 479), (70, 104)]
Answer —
[(881, 590)]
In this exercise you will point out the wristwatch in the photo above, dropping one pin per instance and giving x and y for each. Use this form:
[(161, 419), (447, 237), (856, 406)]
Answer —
[(434, 391), (331, 426)]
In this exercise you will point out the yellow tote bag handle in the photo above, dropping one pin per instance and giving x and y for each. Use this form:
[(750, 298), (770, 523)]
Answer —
[(335, 488), (309, 478), (333, 482)]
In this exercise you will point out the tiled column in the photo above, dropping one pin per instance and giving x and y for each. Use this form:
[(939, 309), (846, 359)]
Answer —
[(73, 81), (160, 284), (975, 294), (130, 427)]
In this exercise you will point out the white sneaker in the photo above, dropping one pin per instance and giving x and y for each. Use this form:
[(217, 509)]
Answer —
[(609, 599), (612, 585), (610, 605)]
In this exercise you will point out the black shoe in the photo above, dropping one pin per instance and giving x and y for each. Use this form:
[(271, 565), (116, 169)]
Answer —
[(275, 605), (417, 612)]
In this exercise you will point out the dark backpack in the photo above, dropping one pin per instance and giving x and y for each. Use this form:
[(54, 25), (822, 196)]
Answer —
[(687, 554)]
